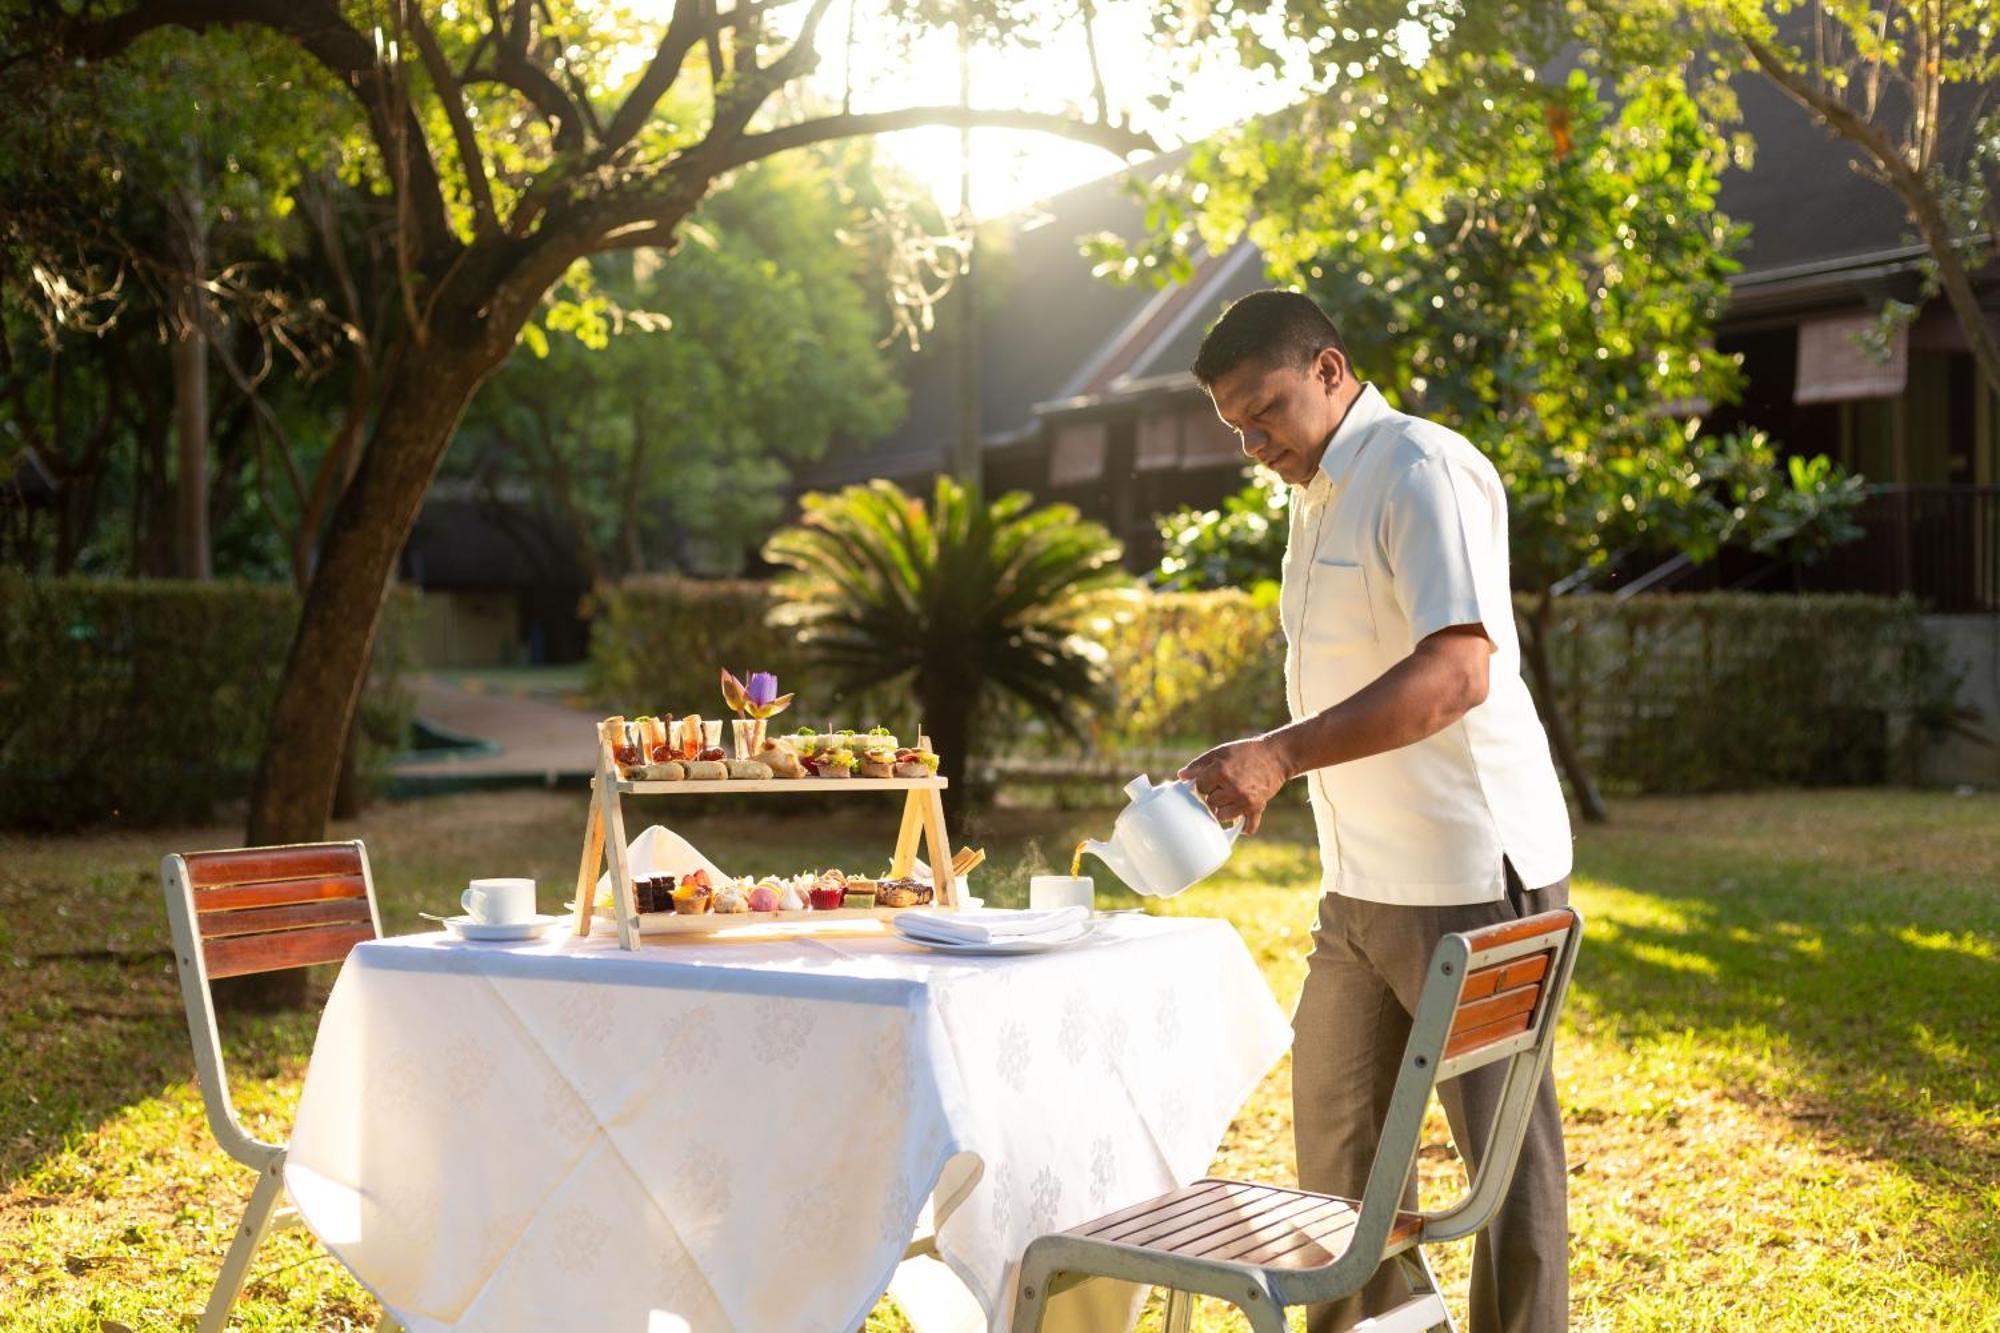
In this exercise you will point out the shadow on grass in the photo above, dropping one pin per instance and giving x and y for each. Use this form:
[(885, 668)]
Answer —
[(1865, 1007), (88, 1039)]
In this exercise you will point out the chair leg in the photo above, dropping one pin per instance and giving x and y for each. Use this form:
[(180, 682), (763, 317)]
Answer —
[(249, 1232), (1417, 1267), (1180, 1309)]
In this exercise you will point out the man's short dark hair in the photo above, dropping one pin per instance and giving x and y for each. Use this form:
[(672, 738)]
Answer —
[(1276, 327)]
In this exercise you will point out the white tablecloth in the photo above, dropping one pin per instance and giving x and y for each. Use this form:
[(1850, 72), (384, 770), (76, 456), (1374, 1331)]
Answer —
[(742, 1134)]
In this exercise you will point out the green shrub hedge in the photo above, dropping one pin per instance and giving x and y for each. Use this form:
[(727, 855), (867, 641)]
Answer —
[(1691, 693), (144, 702)]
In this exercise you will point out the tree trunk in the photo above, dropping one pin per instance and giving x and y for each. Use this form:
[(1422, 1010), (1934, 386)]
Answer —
[(1926, 212), (300, 766), (948, 720), (1535, 643), (299, 772), (190, 355)]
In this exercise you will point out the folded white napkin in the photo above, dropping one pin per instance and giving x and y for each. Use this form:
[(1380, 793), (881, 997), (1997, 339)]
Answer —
[(986, 927)]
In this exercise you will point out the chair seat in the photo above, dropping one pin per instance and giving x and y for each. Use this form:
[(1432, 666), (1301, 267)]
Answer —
[(1231, 1221)]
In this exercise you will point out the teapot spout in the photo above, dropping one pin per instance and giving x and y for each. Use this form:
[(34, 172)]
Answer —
[(1121, 865)]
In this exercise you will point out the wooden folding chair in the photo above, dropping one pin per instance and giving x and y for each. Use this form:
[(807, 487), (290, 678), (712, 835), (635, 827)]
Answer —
[(233, 913), (1490, 995)]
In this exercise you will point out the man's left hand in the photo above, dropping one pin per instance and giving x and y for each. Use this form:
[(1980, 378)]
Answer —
[(1239, 778)]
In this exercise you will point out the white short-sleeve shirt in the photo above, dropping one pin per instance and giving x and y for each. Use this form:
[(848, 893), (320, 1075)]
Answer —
[(1401, 533)]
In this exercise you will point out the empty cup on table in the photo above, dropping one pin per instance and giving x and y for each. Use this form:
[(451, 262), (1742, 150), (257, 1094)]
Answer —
[(499, 902)]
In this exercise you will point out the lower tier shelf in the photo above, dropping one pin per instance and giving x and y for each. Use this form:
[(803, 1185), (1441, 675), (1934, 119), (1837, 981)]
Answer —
[(716, 923)]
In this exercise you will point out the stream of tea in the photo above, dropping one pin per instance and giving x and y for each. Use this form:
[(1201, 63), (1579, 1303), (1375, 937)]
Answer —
[(1076, 860)]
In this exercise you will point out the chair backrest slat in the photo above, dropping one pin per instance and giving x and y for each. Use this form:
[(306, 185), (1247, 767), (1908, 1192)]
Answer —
[(292, 916), (278, 893), (276, 950), (254, 865)]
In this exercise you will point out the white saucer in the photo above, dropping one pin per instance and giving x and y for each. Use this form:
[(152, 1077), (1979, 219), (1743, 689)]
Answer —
[(998, 948), (467, 929)]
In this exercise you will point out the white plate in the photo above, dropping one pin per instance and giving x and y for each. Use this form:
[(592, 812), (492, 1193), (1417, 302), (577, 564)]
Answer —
[(995, 948), (467, 929)]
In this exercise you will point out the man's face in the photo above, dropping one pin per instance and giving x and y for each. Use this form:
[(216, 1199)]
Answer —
[(1284, 415)]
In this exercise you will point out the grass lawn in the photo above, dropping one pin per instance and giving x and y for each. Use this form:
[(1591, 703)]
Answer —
[(1781, 1072)]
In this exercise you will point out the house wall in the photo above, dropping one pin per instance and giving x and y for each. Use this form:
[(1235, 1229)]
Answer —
[(1971, 754), (471, 627)]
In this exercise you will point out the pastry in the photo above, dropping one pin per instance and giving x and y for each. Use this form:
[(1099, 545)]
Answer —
[(670, 771), (693, 896), (902, 893), (781, 759), (748, 770), (730, 898), (706, 770)]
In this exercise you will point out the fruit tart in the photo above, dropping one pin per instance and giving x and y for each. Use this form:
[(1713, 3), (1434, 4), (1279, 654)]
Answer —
[(694, 895)]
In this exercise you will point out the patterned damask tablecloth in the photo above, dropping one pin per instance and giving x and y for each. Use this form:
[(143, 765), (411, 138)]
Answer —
[(742, 1134)]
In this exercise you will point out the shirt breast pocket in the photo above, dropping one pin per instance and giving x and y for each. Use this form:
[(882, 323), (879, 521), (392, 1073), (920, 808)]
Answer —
[(1339, 618)]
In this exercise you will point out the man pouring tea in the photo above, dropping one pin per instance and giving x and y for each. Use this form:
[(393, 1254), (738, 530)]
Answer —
[(1433, 794)]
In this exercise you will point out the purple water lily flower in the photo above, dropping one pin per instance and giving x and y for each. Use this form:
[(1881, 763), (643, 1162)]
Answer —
[(763, 689)]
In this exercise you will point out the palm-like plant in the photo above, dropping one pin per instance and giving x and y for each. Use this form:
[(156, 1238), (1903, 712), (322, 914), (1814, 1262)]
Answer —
[(960, 601)]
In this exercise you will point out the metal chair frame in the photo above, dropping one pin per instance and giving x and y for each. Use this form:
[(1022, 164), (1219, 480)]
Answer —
[(265, 1211), (1382, 1232)]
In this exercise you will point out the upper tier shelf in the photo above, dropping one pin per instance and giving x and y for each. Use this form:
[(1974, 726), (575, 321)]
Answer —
[(750, 785)]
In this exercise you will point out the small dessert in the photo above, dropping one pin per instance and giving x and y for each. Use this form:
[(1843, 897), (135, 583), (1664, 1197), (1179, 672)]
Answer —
[(747, 770), (706, 770), (626, 750), (859, 898), (764, 898), (694, 896), (653, 744), (835, 764), (902, 893), (781, 759), (792, 897), (827, 895), (692, 738), (653, 893), (731, 898)]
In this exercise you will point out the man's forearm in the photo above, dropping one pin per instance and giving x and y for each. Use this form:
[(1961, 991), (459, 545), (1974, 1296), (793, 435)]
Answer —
[(1418, 697)]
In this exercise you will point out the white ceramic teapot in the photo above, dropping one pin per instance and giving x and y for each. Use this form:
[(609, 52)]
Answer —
[(1166, 840)]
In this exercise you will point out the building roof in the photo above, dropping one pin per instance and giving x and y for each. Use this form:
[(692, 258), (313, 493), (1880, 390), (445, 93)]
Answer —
[(1054, 338)]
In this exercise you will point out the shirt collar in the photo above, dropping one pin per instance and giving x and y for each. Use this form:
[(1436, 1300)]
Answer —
[(1344, 445)]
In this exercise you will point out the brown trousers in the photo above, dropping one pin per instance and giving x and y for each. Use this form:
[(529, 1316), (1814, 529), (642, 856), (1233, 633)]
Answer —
[(1362, 981)]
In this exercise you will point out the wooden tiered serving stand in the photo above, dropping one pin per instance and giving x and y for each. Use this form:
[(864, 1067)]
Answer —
[(604, 841)]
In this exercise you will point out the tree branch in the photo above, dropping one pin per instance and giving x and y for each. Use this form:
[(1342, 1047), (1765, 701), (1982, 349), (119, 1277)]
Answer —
[(453, 97), (1120, 139), (318, 28), (511, 69), (683, 31)]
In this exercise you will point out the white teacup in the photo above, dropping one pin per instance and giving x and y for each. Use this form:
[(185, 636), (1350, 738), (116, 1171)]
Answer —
[(499, 902), (1048, 892)]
